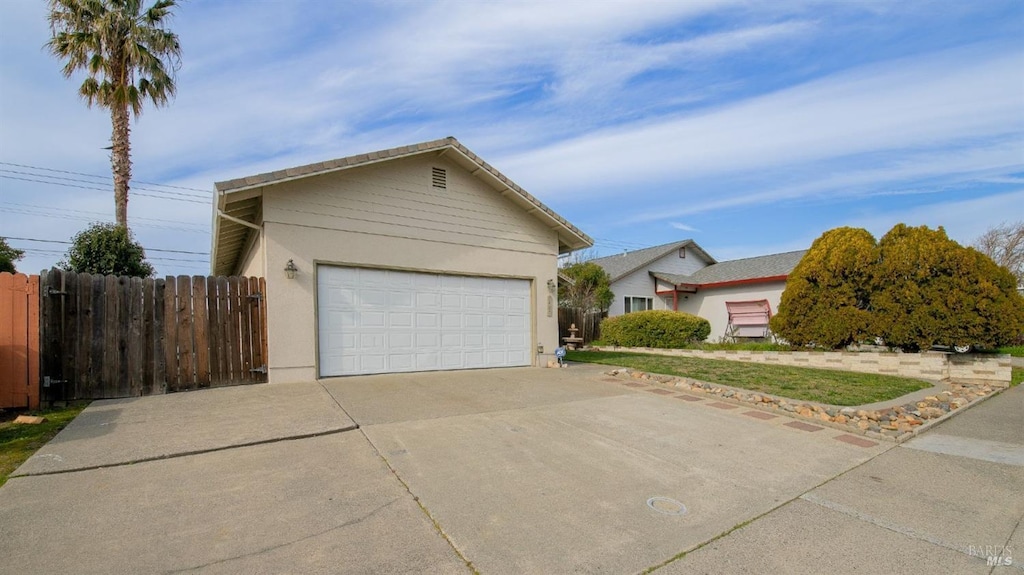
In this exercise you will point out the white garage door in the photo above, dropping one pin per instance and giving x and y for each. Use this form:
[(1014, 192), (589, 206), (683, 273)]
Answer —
[(384, 321)]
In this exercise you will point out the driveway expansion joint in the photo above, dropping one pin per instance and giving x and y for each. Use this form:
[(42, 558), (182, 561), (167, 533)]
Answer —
[(189, 453), (810, 497)]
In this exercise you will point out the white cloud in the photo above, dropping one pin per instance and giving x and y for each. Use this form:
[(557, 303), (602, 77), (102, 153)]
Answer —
[(684, 227), (964, 220), (856, 180), (890, 107)]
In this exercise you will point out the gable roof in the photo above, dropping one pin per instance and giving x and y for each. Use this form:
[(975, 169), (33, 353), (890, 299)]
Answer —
[(621, 265), (760, 268), (239, 201)]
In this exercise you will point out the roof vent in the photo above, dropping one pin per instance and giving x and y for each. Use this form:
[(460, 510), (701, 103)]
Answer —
[(439, 178)]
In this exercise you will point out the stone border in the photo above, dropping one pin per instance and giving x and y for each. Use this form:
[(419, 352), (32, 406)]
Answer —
[(897, 423), (995, 370)]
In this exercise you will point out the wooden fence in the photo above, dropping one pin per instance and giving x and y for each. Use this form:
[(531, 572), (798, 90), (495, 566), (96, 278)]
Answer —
[(588, 323), (114, 336), (19, 340)]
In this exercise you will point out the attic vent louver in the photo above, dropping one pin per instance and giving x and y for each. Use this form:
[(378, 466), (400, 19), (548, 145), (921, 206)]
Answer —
[(439, 178)]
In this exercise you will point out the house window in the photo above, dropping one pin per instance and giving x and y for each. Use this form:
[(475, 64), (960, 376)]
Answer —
[(638, 303)]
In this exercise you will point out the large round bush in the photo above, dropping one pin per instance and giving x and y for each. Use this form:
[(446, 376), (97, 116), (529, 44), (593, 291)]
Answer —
[(827, 297), (655, 328)]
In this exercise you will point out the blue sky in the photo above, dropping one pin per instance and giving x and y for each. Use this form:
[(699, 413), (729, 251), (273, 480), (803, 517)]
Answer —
[(751, 127)]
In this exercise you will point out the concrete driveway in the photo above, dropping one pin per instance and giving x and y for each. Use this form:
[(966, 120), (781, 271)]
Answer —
[(502, 471)]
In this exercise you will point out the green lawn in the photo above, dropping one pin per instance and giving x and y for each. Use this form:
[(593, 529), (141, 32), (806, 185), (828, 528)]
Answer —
[(1017, 376), (19, 441), (799, 383), (1014, 350)]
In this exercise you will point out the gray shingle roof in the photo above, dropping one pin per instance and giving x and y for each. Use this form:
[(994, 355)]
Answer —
[(623, 264), (769, 266)]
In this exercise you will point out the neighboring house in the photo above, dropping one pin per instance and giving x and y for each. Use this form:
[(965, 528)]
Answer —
[(682, 276), (416, 258), (630, 277)]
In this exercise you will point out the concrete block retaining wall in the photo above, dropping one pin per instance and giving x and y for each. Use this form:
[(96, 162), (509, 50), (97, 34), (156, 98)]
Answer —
[(931, 365)]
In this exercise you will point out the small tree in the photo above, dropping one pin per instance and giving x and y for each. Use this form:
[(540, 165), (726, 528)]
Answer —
[(107, 249), (590, 289), (826, 301), (8, 256), (1005, 245), (929, 290)]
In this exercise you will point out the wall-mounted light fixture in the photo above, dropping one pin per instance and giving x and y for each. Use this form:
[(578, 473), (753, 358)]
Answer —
[(552, 285), (290, 269), (540, 349)]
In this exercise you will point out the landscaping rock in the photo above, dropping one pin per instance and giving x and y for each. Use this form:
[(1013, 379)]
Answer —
[(890, 423)]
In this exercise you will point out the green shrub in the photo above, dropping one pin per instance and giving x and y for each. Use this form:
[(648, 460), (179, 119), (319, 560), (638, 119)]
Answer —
[(107, 249), (654, 328), (929, 290), (826, 301)]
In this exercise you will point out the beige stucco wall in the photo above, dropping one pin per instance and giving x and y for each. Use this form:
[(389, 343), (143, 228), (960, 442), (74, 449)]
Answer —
[(709, 303), (389, 216), (254, 262)]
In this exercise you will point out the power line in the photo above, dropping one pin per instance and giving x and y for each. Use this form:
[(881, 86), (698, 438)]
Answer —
[(41, 251), (80, 181), (30, 212), (176, 199), (96, 176), (145, 248), (100, 214)]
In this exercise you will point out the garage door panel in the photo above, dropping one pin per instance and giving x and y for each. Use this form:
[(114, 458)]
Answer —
[(428, 361), (400, 299), (473, 358), (429, 299), (400, 362), (373, 298), (400, 341), (401, 319), (428, 320), (428, 340), (379, 321), (372, 363)]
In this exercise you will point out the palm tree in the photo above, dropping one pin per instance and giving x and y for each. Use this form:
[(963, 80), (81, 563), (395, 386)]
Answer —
[(129, 55)]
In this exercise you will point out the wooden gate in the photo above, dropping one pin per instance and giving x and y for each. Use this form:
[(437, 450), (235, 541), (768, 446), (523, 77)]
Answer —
[(19, 340), (587, 322), (114, 336)]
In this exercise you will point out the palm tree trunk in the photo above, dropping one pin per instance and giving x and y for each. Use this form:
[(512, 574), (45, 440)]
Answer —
[(121, 162)]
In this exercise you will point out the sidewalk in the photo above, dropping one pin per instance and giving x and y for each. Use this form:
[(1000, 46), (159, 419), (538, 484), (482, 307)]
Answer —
[(939, 503)]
